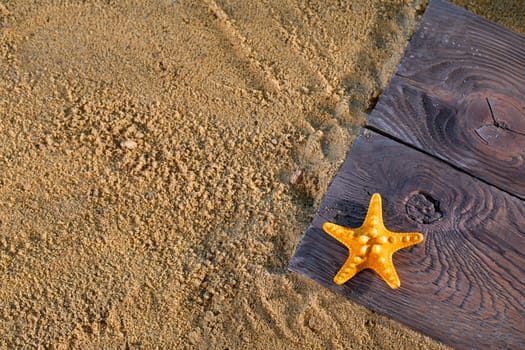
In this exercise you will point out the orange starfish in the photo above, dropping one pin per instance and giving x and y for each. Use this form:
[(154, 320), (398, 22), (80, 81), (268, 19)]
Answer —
[(371, 246)]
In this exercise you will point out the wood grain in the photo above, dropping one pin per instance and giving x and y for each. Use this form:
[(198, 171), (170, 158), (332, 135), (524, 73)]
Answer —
[(464, 285), (459, 94)]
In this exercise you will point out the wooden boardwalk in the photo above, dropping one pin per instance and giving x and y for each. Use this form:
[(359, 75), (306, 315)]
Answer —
[(445, 148)]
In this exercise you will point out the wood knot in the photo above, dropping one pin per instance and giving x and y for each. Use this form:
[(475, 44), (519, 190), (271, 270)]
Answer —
[(423, 208)]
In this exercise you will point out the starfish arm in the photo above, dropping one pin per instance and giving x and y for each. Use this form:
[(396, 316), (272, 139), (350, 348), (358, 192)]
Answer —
[(342, 234), (346, 272), (384, 267), (374, 216), (400, 240)]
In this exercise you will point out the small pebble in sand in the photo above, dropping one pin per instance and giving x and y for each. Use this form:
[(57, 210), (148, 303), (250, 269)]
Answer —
[(295, 178), (129, 144), (304, 90)]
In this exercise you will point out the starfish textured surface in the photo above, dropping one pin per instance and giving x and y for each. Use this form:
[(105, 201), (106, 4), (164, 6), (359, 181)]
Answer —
[(371, 246)]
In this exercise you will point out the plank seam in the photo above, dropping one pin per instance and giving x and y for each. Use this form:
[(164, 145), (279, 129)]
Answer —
[(455, 167)]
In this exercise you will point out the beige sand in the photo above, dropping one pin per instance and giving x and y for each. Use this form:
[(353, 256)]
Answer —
[(146, 152)]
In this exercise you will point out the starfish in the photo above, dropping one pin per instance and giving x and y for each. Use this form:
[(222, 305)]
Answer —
[(371, 246)]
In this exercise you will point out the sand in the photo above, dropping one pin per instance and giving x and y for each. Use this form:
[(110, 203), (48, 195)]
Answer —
[(160, 162)]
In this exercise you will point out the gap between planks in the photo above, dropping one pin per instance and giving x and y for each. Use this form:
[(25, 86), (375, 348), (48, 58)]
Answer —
[(455, 167)]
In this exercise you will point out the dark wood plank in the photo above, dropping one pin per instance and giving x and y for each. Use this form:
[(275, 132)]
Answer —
[(464, 285), (459, 94)]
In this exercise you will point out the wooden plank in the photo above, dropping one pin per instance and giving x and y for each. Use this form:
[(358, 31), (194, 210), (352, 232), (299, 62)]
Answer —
[(459, 94), (464, 285)]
